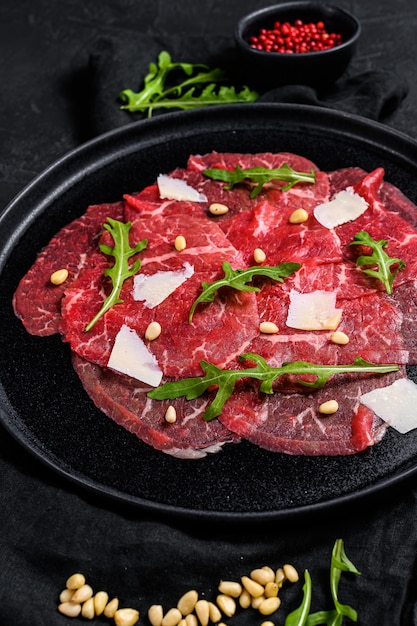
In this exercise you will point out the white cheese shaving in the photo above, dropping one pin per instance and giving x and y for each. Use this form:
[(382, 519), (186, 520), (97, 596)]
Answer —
[(177, 189), (395, 404), (155, 288), (315, 310), (130, 356), (344, 207)]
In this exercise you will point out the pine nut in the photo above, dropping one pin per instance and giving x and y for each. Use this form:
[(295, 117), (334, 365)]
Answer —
[(82, 594), (155, 614), (339, 337), (262, 576), (268, 328), (182, 622), (180, 243), (75, 581), (269, 606), (328, 408), (271, 589), (171, 415), (126, 617), (259, 255), (298, 216), (100, 600), (245, 599), (188, 601), (111, 608), (202, 611), (218, 209), (66, 595), (87, 609), (172, 618), (270, 570), (70, 609), (214, 613), (254, 588), (153, 331), (230, 588), (280, 577), (191, 620), (59, 277), (290, 573), (256, 602), (267, 624), (226, 604)]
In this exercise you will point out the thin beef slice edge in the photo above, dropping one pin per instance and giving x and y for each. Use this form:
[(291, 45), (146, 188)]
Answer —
[(125, 401)]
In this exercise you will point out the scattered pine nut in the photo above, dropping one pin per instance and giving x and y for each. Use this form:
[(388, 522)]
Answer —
[(254, 588), (172, 618), (111, 608), (214, 613), (245, 599), (259, 255), (268, 328), (339, 337), (230, 588), (69, 609), (328, 408), (191, 620), (153, 331), (271, 589), (226, 604), (262, 576), (180, 243), (187, 602), (269, 606), (256, 602), (100, 600), (267, 624), (82, 594), (59, 277), (171, 415), (298, 216), (280, 577), (155, 614), (126, 617), (66, 595), (203, 612), (87, 609), (218, 209), (291, 573), (75, 581)]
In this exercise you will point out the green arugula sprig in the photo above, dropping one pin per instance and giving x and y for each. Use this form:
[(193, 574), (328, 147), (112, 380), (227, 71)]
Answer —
[(225, 380), (120, 271), (379, 257), (260, 176), (202, 86), (238, 279), (302, 617)]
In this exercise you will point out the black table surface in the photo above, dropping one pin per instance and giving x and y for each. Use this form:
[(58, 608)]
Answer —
[(49, 528)]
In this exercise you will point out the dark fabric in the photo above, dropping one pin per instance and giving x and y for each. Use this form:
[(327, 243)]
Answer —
[(121, 62), (62, 66)]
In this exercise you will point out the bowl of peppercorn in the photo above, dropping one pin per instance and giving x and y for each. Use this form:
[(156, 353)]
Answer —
[(300, 42)]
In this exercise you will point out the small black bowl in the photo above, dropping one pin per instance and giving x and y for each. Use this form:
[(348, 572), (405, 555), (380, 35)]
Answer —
[(265, 70)]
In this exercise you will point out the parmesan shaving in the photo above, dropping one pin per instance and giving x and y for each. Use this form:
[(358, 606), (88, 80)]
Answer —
[(344, 207), (313, 311), (155, 288), (177, 189), (395, 404), (130, 356)]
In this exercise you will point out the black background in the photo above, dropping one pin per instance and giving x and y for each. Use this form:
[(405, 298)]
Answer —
[(57, 61)]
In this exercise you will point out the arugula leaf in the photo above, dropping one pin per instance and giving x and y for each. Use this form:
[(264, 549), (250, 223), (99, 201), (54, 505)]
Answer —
[(299, 616), (238, 279), (120, 271), (260, 176), (225, 380), (380, 258), (334, 617), (186, 94)]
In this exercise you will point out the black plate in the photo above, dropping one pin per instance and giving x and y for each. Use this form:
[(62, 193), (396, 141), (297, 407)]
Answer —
[(41, 400)]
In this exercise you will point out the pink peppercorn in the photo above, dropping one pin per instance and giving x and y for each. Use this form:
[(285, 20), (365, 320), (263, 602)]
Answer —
[(299, 37)]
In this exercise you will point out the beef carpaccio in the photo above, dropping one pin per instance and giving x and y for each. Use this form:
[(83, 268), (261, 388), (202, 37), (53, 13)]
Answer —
[(379, 326)]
